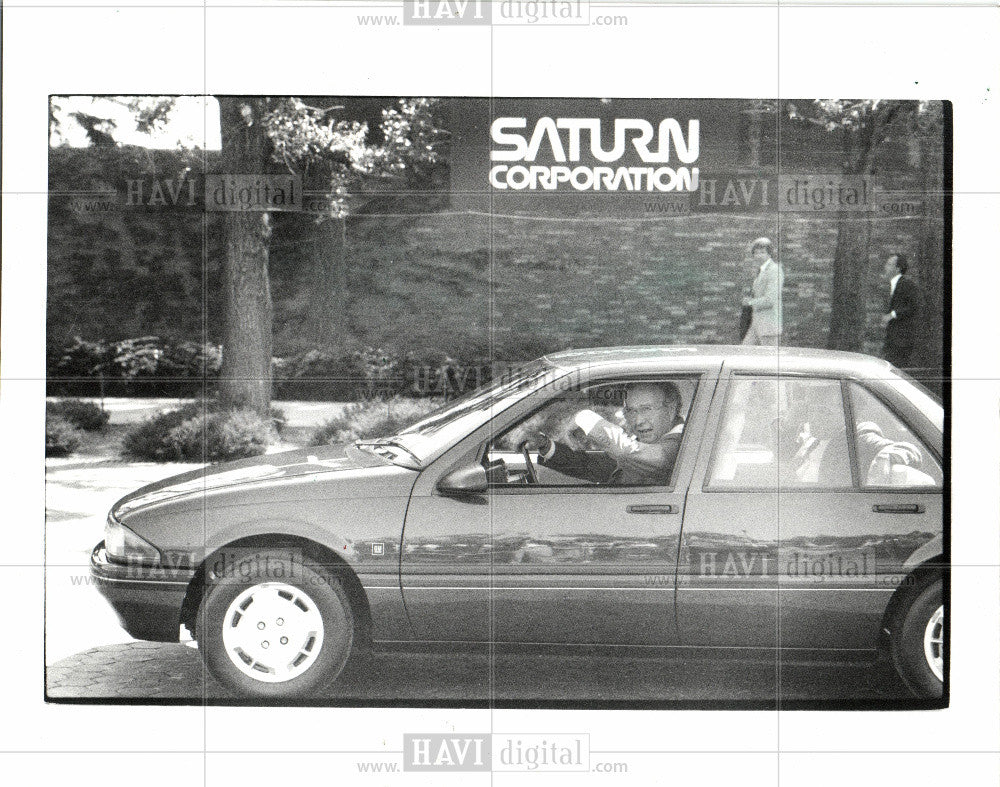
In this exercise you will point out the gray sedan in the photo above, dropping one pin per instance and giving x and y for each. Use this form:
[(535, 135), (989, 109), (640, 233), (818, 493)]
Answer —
[(654, 497)]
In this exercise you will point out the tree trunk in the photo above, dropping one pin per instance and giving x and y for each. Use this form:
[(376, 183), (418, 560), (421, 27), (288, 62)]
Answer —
[(245, 378), (850, 256), (328, 298), (930, 259), (850, 265)]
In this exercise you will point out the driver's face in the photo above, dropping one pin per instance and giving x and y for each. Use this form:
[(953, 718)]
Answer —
[(647, 415)]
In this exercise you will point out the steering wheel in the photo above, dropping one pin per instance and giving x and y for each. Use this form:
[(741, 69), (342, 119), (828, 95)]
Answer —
[(530, 474)]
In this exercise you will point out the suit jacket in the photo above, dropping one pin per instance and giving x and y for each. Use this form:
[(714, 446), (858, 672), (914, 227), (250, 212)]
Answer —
[(766, 299), (907, 302), (622, 460)]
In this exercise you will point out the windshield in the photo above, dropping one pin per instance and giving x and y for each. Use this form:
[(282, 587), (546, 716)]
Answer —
[(431, 435)]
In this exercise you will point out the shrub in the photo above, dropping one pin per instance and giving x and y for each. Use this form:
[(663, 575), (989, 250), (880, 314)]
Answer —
[(61, 437), (221, 435), (165, 367), (319, 374), (199, 432), (314, 374), (190, 359), (150, 439), (83, 415), (79, 359), (372, 419)]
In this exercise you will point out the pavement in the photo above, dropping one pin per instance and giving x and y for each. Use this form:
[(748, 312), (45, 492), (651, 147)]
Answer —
[(131, 411), (149, 670)]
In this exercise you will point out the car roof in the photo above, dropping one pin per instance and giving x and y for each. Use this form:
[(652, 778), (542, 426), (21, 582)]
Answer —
[(737, 357)]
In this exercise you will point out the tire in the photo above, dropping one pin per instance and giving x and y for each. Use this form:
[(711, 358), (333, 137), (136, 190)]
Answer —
[(285, 632), (918, 642)]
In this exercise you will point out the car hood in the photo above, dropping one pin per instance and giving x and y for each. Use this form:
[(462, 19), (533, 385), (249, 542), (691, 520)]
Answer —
[(287, 464)]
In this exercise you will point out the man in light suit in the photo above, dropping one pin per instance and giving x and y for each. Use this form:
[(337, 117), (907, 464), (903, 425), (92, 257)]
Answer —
[(765, 297), (903, 320), (642, 454)]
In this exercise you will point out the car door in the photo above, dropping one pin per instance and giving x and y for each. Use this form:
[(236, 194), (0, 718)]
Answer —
[(784, 541), (548, 563)]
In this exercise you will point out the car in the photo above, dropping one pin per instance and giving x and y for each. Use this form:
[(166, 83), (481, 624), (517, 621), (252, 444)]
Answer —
[(796, 507)]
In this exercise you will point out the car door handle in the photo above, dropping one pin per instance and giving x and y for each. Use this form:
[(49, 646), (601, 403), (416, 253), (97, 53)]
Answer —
[(652, 509), (907, 508)]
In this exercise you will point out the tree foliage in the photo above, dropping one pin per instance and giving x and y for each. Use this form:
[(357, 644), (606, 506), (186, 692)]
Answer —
[(312, 141), (340, 153)]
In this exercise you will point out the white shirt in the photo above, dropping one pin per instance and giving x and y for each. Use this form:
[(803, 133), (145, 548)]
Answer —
[(810, 456), (892, 291), (610, 437)]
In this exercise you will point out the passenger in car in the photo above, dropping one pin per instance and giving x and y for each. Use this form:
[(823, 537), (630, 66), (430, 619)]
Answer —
[(822, 456), (642, 454), (878, 455)]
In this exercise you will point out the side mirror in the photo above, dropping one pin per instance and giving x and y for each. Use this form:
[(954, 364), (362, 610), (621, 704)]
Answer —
[(464, 480)]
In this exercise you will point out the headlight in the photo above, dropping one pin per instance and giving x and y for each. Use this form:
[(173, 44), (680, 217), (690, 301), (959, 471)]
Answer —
[(126, 547)]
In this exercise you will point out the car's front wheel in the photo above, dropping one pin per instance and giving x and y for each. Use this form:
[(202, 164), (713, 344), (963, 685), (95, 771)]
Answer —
[(281, 629), (918, 641)]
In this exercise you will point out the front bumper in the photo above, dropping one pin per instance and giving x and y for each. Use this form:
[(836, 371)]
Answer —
[(147, 600)]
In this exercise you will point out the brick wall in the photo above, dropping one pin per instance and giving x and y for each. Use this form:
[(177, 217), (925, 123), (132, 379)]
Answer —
[(581, 281)]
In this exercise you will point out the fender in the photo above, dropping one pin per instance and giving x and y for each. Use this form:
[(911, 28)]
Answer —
[(931, 549)]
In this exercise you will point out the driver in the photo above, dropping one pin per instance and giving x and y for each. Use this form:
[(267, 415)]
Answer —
[(642, 454)]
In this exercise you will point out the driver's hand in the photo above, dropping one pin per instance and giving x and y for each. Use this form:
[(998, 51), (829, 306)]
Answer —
[(538, 442)]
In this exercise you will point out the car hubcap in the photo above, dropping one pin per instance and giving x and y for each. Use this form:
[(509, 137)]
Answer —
[(273, 632), (934, 643)]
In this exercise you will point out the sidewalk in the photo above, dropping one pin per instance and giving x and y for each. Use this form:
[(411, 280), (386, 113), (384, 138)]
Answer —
[(152, 670)]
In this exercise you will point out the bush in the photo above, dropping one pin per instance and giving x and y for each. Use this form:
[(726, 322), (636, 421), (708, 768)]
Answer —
[(199, 432), (372, 419), (318, 374), (164, 366), (79, 359), (221, 435), (150, 439), (314, 374), (83, 415), (61, 437)]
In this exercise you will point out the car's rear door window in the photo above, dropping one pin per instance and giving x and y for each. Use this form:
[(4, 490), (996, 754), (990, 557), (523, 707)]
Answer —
[(889, 454), (782, 432)]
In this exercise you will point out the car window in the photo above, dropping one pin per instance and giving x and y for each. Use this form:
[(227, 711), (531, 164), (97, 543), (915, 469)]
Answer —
[(888, 452), (782, 432), (440, 429), (621, 433)]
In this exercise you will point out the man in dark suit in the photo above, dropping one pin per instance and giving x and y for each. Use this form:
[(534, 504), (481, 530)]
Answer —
[(642, 454), (902, 323)]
